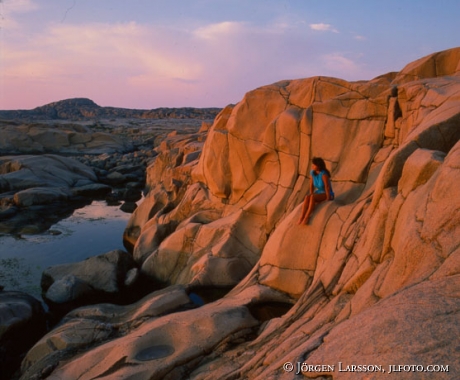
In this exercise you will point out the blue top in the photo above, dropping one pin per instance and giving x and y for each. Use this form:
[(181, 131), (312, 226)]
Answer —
[(318, 183)]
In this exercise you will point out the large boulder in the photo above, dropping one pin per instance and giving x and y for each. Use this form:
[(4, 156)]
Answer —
[(24, 172), (99, 278), (41, 196)]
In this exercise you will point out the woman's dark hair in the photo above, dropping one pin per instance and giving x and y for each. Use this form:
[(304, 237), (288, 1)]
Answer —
[(319, 162)]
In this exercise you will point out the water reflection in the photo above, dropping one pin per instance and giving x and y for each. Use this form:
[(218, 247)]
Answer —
[(92, 230)]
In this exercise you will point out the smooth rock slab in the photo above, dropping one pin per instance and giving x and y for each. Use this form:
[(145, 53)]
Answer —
[(88, 326), (23, 172), (403, 329), (40, 196), (183, 336)]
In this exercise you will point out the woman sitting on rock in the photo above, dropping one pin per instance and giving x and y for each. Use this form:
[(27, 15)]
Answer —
[(320, 189)]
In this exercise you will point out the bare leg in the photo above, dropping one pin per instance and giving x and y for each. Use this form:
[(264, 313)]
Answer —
[(315, 198), (306, 203), (311, 207)]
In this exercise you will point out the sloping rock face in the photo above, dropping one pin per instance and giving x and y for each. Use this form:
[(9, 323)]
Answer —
[(374, 278), (253, 172)]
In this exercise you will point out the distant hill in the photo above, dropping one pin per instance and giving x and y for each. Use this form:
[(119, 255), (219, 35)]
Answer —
[(84, 109)]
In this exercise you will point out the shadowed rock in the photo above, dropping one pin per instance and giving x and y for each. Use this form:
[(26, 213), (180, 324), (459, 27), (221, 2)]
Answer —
[(97, 278), (64, 138), (37, 191), (22, 322)]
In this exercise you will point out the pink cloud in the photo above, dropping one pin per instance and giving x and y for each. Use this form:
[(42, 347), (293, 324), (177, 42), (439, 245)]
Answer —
[(323, 27), (146, 66)]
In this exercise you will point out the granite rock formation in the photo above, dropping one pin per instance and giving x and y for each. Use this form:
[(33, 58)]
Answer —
[(373, 279)]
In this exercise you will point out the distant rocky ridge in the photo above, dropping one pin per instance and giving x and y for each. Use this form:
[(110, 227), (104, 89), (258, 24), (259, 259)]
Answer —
[(86, 109)]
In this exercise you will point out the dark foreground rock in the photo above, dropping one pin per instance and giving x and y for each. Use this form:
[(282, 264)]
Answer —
[(27, 171), (36, 191), (22, 323), (140, 338)]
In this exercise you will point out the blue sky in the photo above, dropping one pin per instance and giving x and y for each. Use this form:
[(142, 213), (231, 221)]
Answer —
[(205, 53)]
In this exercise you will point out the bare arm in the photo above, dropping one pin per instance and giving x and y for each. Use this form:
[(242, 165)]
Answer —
[(327, 186), (312, 187)]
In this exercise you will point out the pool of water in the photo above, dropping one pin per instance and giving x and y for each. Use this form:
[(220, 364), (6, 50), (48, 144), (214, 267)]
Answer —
[(92, 230)]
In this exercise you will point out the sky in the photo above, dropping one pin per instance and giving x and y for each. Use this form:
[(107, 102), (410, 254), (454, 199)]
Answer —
[(147, 54)]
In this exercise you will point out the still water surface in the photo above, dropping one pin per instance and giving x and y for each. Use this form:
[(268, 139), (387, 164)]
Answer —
[(92, 230)]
